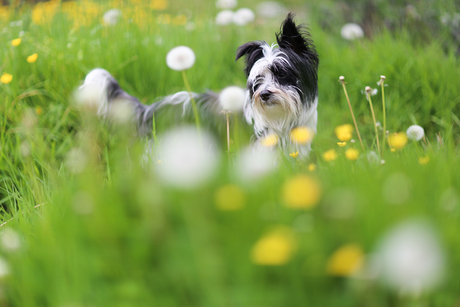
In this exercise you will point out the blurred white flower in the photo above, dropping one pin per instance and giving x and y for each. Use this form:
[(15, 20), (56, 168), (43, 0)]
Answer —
[(180, 58), (111, 17), (4, 268), (224, 17), (243, 16), (226, 4), (76, 160), (121, 111), (271, 9), (232, 98), (411, 259), (189, 158), (253, 163), (415, 133), (373, 157), (10, 240), (351, 31)]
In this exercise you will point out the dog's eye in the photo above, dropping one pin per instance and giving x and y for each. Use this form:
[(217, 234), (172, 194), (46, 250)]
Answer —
[(281, 74), (255, 87)]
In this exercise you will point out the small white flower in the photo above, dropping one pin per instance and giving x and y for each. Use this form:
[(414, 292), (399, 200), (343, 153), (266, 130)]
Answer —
[(189, 158), (180, 58), (271, 9), (10, 240), (224, 17), (411, 259), (253, 163), (226, 4), (243, 16), (232, 98), (111, 17), (415, 133), (351, 31)]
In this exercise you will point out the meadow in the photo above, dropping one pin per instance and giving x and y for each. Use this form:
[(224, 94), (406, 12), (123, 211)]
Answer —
[(86, 221)]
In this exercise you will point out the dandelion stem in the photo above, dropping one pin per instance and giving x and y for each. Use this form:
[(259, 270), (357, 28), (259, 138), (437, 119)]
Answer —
[(382, 81), (228, 135), (373, 117), (192, 100), (352, 114)]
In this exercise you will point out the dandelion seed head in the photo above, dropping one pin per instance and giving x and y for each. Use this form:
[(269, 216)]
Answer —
[(271, 9), (232, 98), (226, 4), (351, 31), (224, 17), (180, 58), (415, 133), (254, 163), (10, 240), (243, 17), (111, 17)]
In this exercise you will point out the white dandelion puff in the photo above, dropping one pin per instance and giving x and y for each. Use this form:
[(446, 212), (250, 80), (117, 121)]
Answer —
[(411, 259), (111, 17), (226, 4), (271, 9), (224, 18), (415, 133), (180, 58), (232, 98), (189, 158), (243, 16), (351, 31), (4, 268), (10, 240), (253, 163)]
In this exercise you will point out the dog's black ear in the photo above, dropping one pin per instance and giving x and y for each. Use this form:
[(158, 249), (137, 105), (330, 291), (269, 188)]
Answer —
[(296, 38), (252, 51)]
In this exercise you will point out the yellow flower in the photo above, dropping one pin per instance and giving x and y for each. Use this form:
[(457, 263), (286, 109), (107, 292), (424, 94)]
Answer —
[(230, 197), (158, 4), (16, 42), (345, 261), (269, 140), (301, 135), (352, 154), (344, 132), (341, 144), (38, 110), (397, 140), (294, 154), (392, 149), (329, 155), (423, 160), (301, 192), (311, 167), (275, 248), (6, 78), (32, 58)]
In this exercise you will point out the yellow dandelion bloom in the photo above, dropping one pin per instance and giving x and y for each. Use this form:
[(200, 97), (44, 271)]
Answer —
[(275, 248), (344, 132), (158, 4), (397, 140), (345, 261), (301, 192), (32, 58), (16, 42), (351, 154), (269, 140), (329, 155), (423, 160), (294, 154), (230, 197), (301, 135), (392, 149), (38, 110), (6, 78), (341, 144), (311, 167)]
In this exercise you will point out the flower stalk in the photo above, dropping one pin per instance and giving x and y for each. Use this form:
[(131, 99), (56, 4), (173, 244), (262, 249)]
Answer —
[(382, 84), (342, 81), (368, 93), (192, 100)]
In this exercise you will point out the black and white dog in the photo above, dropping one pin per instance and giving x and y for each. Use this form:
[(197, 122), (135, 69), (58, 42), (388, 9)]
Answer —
[(282, 89)]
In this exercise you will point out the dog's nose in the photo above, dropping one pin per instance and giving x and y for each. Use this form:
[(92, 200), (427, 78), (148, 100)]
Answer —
[(265, 95)]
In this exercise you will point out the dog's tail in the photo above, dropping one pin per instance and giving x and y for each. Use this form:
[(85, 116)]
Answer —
[(101, 90)]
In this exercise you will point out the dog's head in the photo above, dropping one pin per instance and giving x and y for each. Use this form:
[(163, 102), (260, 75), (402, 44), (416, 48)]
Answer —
[(282, 79)]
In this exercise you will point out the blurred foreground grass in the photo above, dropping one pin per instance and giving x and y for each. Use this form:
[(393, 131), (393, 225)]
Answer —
[(88, 224)]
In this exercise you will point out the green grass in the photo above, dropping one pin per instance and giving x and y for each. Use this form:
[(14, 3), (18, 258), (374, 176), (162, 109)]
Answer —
[(117, 235)]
